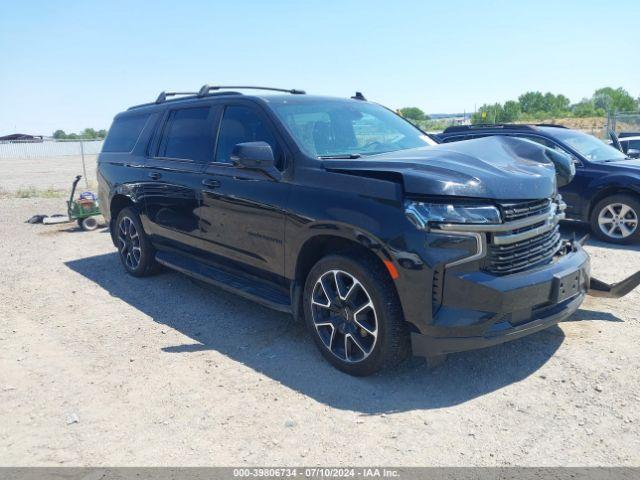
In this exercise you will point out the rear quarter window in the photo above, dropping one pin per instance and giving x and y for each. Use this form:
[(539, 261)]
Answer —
[(124, 133)]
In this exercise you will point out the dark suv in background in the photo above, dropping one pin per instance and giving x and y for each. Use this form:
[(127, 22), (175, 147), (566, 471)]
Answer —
[(342, 213), (606, 189)]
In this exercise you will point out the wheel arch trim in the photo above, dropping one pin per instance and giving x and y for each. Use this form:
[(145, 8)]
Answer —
[(335, 231), (609, 189), (121, 197), (312, 245)]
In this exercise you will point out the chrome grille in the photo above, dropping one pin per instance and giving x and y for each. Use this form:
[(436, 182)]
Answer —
[(528, 236), (519, 256), (533, 240), (518, 210)]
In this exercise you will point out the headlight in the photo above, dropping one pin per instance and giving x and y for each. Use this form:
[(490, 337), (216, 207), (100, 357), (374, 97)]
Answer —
[(423, 214)]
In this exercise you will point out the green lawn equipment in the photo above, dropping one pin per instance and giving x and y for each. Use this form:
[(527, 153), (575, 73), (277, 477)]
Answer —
[(84, 209)]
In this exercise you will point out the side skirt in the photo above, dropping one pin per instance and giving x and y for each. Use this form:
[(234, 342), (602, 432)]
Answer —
[(248, 287)]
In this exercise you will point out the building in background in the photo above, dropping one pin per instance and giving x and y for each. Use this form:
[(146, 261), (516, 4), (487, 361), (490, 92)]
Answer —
[(22, 137)]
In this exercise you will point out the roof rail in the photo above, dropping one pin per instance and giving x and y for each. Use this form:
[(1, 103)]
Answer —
[(207, 88), (506, 126), (163, 95)]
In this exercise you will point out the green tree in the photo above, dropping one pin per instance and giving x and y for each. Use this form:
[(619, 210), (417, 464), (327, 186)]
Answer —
[(617, 100), (531, 102), (511, 111), (563, 103), (89, 134), (413, 113), (548, 102), (586, 108), (556, 105), (489, 114), (86, 134)]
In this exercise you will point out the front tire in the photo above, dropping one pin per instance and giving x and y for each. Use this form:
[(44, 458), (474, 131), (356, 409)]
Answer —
[(136, 253), (616, 218), (353, 313)]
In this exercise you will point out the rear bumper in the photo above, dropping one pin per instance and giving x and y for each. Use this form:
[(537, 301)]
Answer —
[(481, 310)]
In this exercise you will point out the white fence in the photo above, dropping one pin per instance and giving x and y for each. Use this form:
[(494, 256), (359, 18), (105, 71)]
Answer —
[(58, 148), (48, 164)]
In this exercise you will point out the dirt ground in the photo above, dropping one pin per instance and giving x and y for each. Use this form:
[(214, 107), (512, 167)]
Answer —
[(99, 368)]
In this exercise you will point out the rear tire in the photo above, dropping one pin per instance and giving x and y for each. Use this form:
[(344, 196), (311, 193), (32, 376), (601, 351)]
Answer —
[(615, 219), (135, 251), (353, 313)]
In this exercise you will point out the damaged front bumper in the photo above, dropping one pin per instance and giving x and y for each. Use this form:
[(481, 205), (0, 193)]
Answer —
[(598, 288), (481, 310)]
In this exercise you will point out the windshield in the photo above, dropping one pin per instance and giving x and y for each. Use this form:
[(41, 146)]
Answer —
[(337, 128), (588, 146)]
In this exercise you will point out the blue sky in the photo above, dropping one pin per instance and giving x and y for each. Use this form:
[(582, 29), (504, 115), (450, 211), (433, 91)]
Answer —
[(75, 64)]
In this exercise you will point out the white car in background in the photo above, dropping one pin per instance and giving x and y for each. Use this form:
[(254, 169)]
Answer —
[(629, 143)]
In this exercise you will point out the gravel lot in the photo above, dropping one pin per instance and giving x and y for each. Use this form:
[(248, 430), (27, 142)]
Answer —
[(98, 368)]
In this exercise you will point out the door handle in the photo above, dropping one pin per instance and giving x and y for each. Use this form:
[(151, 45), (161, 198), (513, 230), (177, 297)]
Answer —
[(211, 183), (155, 175)]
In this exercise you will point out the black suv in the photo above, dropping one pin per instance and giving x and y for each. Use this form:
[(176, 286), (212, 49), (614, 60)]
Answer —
[(340, 212), (606, 189)]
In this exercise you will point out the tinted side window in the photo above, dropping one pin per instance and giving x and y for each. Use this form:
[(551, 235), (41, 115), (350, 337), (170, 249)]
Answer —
[(242, 124), (124, 133), (187, 135)]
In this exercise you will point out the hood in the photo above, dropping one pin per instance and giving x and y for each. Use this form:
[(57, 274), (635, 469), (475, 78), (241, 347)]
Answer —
[(501, 168)]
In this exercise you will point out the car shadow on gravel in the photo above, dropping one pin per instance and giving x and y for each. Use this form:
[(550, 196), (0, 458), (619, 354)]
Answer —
[(583, 315), (274, 345)]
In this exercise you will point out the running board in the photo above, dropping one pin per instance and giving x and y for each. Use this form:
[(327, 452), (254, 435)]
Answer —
[(249, 287), (597, 288)]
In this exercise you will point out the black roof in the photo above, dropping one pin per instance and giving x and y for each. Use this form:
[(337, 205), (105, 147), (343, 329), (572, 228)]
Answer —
[(628, 134), (518, 127), (290, 95), (214, 90)]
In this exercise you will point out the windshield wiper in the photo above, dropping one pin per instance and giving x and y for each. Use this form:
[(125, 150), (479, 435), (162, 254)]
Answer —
[(339, 156)]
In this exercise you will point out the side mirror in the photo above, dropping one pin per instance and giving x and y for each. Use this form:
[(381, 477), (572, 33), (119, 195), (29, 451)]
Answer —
[(633, 153), (255, 156), (565, 166)]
